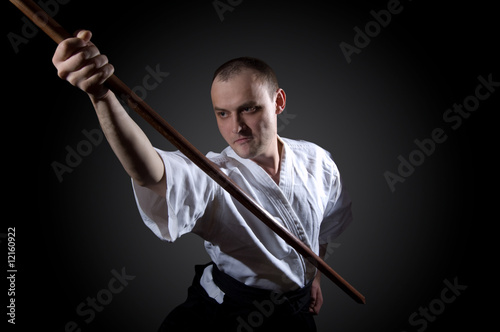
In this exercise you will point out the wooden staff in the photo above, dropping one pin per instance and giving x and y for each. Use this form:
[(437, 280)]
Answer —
[(58, 34)]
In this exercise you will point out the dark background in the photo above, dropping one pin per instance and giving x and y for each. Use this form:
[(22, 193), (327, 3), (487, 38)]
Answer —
[(437, 225)]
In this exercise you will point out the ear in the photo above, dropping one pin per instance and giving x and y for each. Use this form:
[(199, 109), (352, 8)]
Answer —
[(280, 101)]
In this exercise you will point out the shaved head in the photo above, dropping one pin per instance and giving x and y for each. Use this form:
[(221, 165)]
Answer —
[(235, 67)]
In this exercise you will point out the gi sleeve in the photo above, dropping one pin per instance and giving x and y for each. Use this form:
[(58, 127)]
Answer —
[(190, 196), (337, 215)]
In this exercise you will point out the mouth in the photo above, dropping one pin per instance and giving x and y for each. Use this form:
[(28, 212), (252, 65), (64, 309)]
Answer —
[(242, 140)]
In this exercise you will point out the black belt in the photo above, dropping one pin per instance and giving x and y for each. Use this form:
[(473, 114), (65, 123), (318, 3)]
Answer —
[(293, 301)]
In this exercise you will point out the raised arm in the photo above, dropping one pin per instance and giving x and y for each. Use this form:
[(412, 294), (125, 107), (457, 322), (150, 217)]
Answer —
[(79, 62)]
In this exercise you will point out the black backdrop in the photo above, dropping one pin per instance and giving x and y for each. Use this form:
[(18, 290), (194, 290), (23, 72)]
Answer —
[(76, 224)]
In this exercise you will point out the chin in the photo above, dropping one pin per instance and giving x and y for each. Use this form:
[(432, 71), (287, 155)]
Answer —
[(243, 153)]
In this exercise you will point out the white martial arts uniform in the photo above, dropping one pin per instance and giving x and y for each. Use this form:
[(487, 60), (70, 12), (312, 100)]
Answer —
[(309, 201)]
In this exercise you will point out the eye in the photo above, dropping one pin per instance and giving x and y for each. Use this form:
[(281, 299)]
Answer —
[(222, 114), (249, 109)]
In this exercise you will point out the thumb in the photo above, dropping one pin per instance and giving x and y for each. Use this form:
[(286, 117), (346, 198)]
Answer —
[(84, 34)]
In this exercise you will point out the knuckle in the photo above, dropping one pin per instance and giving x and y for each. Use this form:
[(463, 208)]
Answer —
[(93, 50), (105, 71), (99, 61), (55, 60), (63, 71), (110, 68), (80, 57), (68, 46), (62, 74), (62, 48), (104, 59)]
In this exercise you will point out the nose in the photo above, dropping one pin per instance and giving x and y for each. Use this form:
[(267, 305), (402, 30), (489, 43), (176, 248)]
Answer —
[(238, 124)]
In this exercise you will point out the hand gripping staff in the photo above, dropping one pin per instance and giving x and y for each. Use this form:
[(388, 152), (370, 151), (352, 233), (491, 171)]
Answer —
[(58, 34)]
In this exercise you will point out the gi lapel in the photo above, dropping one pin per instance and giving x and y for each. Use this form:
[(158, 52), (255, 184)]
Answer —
[(278, 196)]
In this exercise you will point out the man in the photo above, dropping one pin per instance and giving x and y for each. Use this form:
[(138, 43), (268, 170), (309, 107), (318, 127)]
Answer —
[(256, 282)]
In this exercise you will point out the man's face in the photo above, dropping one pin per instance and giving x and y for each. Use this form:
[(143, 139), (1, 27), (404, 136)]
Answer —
[(247, 114)]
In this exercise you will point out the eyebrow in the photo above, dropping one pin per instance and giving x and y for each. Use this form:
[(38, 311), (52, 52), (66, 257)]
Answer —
[(246, 104)]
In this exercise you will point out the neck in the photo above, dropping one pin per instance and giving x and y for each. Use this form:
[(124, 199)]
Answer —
[(271, 162)]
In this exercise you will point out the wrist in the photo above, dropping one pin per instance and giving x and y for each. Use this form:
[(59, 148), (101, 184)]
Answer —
[(100, 96)]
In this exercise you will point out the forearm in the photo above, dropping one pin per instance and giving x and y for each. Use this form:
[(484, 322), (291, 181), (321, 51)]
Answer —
[(316, 295), (127, 140), (321, 254)]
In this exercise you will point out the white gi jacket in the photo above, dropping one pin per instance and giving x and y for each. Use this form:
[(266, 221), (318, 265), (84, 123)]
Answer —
[(309, 201)]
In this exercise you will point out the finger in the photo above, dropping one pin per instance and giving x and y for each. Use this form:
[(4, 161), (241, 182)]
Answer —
[(84, 69), (86, 35), (317, 306), (84, 57), (70, 46), (90, 75), (67, 48), (94, 82), (79, 59), (99, 61), (314, 310), (311, 305)]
